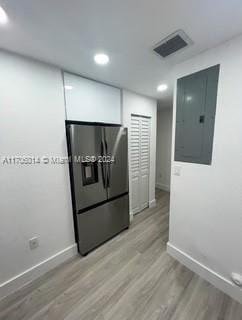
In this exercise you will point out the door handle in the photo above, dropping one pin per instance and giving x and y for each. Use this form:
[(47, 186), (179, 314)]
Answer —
[(103, 168), (107, 165), (202, 119)]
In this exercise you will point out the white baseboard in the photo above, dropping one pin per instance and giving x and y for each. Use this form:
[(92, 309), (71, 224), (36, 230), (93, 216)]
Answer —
[(36, 271), (131, 216), (152, 203), (206, 273), (162, 186)]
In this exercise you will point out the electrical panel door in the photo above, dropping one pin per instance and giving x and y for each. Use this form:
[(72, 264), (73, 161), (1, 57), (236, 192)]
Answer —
[(195, 116)]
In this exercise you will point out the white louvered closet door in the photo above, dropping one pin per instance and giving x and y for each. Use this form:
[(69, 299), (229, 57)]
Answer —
[(139, 162)]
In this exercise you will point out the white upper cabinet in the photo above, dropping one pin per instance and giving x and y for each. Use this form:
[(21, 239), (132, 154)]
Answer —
[(88, 100)]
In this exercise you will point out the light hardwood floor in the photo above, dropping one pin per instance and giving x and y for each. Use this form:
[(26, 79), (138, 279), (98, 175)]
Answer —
[(130, 277)]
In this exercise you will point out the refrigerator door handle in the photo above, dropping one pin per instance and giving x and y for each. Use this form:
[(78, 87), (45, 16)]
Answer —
[(108, 174), (103, 166), (107, 165)]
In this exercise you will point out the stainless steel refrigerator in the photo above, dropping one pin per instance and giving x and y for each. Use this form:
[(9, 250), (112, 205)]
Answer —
[(99, 181)]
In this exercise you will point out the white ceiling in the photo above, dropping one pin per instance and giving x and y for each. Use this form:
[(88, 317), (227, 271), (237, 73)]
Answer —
[(67, 33)]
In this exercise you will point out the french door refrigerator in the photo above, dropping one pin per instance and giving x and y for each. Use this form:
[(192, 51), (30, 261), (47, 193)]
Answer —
[(99, 181)]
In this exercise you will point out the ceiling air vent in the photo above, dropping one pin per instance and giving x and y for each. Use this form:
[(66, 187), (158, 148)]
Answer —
[(173, 43)]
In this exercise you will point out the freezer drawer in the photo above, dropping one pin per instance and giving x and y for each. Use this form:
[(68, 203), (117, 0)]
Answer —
[(97, 225)]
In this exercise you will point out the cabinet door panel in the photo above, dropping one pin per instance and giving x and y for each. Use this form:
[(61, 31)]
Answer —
[(91, 101)]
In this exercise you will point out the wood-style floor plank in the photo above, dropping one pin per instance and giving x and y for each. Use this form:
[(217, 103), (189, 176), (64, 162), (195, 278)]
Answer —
[(129, 277)]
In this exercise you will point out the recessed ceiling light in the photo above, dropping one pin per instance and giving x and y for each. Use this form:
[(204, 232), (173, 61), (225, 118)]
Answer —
[(162, 87), (67, 87), (3, 16), (101, 58)]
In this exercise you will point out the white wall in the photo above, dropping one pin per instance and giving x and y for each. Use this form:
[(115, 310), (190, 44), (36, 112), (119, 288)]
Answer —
[(35, 199), (206, 201), (163, 148), (91, 101), (141, 105)]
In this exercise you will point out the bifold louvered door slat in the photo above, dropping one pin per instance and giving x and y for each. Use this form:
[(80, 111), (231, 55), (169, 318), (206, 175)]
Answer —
[(139, 162)]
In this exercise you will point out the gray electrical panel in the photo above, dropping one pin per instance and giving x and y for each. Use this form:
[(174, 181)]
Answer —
[(195, 116)]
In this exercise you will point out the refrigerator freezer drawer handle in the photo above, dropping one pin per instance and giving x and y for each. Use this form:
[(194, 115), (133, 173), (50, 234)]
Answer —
[(108, 174)]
